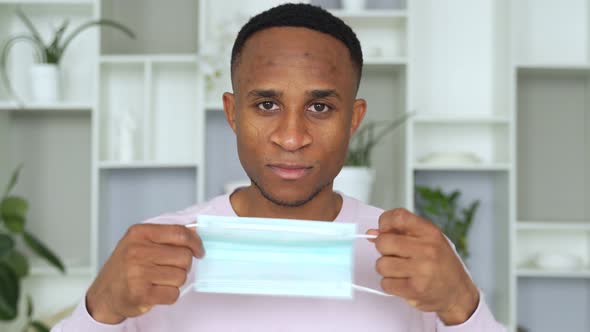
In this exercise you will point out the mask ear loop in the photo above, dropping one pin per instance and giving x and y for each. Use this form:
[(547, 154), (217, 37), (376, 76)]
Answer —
[(368, 290), (185, 291)]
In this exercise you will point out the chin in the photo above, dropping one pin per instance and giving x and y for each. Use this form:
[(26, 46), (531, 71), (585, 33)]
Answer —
[(290, 194)]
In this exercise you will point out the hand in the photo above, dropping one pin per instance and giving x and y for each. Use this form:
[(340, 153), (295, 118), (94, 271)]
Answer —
[(146, 268), (419, 265)]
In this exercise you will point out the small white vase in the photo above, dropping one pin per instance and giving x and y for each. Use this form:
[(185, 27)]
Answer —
[(356, 182), (353, 5), (45, 82)]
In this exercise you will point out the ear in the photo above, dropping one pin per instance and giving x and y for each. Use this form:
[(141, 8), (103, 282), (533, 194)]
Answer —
[(229, 107), (359, 108)]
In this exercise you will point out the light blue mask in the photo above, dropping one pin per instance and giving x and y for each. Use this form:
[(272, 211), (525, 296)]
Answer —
[(276, 257)]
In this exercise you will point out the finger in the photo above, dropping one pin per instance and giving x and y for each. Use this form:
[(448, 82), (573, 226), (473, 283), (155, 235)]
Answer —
[(166, 255), (165, 276), (163, 295), (397, 286), (177, 235), (395, 267), (402, 221), (390, 244)]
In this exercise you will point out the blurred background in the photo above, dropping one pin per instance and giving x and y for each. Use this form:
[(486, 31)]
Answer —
[(124, 123)]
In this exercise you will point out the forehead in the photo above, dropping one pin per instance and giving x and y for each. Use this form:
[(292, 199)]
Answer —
[(290, 53)]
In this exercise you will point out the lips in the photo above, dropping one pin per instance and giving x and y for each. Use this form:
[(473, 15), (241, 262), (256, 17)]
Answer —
[(290, 171)]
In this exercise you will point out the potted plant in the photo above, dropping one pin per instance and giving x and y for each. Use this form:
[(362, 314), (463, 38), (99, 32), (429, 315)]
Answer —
[(356, 177), (14, 265), (443, 209), (45, 73)]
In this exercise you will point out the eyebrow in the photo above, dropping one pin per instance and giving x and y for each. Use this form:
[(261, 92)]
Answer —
[(260, 93), (323, 93)]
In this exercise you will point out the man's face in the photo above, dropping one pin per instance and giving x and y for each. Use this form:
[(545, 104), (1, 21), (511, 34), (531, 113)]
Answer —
[(293, 111)]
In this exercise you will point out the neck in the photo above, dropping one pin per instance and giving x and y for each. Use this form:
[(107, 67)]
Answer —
[(249, 202)]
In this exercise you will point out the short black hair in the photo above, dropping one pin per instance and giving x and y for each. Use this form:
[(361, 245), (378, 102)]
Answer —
[(305, 16)]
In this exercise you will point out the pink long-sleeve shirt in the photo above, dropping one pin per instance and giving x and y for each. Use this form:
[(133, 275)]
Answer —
[(226, 312)]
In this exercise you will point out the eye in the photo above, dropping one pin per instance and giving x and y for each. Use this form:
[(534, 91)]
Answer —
[(319, 108), (268, 106)]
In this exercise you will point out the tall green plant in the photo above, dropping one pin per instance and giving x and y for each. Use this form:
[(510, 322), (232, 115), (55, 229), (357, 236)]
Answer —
[(366, 138), (443, 210), (53, 51), (14, 265)]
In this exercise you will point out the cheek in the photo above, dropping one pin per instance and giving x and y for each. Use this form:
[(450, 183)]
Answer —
[(333, 138), (250, 135)]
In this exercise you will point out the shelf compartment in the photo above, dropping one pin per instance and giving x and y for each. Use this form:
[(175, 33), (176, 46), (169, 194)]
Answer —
[(122, 112), (551, 32), (553, 123), (130, 196), (77, 68), (173, 119), (489, 260), (553, 304), (144, 17), (534, 240), (456, 55), (487, 141), (385, 93), (222, 164), (380, 36), (55, 150)]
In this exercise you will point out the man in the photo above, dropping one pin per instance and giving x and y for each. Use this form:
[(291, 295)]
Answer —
[(295, 74)]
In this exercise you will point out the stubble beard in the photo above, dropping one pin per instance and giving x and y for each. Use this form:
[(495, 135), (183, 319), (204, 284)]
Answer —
[(292, 204)]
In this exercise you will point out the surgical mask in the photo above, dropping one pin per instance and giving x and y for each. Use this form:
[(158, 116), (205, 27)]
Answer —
[(281, 257)]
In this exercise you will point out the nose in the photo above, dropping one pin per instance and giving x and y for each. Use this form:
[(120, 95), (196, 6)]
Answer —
[(292, 132)]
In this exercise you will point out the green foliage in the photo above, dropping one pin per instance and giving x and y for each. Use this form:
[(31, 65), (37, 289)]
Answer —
[(9, 292), (13, 211), (14, 265), (39, 326), (367, 137), (40, 249), (53, 51), (443, 210)]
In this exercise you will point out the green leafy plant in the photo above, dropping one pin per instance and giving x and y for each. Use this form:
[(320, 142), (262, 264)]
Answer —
[(367, 137), (442, 209), (53, 51), (14, 265)]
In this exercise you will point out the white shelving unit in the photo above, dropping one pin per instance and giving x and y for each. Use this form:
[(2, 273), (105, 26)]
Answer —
[(550, 76), (458, 69)]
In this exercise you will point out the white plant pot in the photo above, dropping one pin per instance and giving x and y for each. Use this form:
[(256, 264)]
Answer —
[(353, 5), (355, 182), (45, 82)]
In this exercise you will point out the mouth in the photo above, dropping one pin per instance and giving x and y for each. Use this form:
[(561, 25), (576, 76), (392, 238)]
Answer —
[(290, 171)]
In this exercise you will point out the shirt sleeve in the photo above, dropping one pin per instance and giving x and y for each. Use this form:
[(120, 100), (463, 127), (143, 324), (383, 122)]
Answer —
[(481, 320), (80, 320)]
